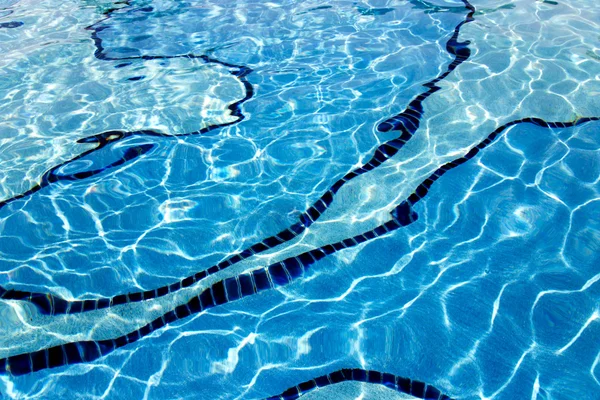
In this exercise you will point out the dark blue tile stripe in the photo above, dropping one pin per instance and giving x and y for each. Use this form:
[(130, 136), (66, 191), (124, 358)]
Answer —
[(402, 215), (424, 187), (50, 304), (11, 24), (230, 289), (406, 122), (247, 284), (414, 388), (103, 139), (278, 274)]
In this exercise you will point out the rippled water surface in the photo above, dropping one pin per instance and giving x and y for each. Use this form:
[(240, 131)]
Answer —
[(143, 142)]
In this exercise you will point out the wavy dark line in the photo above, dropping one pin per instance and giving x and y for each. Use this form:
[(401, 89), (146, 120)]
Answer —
[(418, 389), (103, 139), (249, 283), (275, 275), (11, 24), (221, 292), (424, 187), (406, 122)]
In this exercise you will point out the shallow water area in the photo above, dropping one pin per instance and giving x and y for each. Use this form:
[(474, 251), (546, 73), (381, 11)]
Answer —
[(261, 150)]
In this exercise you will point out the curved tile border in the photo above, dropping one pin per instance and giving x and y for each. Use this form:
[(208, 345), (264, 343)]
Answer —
[(103, 139), (407, 122), (258, 280), (11, 24), (275, 275), (221, 292), (418, 389)]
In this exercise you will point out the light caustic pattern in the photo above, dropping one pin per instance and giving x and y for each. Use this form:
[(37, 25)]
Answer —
[(505, 229)]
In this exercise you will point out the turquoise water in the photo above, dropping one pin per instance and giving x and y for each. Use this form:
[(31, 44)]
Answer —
[(144, 142)]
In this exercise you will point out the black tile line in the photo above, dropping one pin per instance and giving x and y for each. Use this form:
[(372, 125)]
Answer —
[(49, 177), (11, 24), (418, 389), (407, 122), (221, 292), (103, 139), (249, 283), (424, 187)]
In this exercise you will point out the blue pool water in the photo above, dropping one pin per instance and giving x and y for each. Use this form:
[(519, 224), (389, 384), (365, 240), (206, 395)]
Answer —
[(239, 200)]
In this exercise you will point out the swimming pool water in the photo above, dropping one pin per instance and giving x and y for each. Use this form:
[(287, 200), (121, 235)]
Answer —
[(407, 187)]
